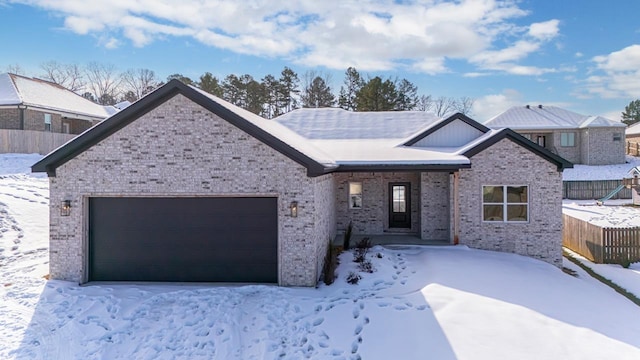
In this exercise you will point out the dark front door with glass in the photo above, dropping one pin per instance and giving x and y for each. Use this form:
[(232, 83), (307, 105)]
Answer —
[(399, 205)]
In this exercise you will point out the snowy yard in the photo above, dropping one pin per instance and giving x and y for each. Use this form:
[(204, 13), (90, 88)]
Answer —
[(600, 172), (422, 302), (614, 213)]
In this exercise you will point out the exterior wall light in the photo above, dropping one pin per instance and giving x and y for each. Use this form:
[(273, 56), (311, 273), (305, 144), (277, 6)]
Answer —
[(294, 208), (65, 208)]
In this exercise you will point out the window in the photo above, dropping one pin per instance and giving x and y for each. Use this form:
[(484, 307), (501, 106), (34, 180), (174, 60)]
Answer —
[(568, 139), (617, 136), (527, 136), (355, 195), (66, 128), (504, 199), (47, 122)]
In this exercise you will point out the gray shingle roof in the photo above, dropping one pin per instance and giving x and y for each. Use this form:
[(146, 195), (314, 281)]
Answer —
[(547, 118)]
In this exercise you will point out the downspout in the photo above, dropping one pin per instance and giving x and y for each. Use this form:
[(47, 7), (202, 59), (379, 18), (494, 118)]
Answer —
[(456, 208)]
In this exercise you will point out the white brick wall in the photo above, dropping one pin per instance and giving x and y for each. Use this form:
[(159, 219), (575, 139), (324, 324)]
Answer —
[(181, 149), (506, 163)]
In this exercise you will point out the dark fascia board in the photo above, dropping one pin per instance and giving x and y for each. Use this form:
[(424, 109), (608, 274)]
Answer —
[(457, 116), (153, 100), (524, 142), (402, 167)]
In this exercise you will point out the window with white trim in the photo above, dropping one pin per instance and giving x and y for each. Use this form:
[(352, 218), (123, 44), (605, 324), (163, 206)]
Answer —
[(568, 139), (355, 195), (617, 136), (505, 203), (47, 122)]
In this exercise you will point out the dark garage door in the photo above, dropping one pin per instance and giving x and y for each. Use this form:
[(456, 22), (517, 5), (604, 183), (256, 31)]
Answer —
[(183, 239)]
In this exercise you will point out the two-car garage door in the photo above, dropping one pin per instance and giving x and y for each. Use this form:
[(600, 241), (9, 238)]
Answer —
[(206, 239)]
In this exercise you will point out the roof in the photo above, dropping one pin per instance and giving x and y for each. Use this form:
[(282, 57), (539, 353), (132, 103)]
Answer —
[(320, 152), (633, 129), (547, 118), (335, 123), (45, 95)]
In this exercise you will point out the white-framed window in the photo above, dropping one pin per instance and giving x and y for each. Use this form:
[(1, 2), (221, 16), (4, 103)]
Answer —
[(355, 195), (66, 128), (47, 122), (617, 136), (568, 139), (505, 203)]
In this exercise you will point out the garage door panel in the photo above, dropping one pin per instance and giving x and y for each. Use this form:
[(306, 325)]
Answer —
[(183, 239)]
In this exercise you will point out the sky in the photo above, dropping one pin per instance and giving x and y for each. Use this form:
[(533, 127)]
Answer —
[(582, 55)]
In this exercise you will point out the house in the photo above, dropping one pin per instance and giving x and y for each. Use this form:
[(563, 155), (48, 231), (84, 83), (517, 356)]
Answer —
[(632, 133), (38, 116), (581, 139), (183, 186)]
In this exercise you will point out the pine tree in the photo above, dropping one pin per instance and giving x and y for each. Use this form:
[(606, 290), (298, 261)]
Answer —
[(290, 89), (210, 84), (352, 84), (407, 96), (272, 95), (317, 94), (377, 95), (631, 113)]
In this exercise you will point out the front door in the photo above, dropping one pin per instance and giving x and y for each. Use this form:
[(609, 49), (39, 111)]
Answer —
[(399, 205)]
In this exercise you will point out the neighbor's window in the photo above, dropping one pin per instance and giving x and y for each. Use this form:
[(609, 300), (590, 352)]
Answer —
[(617, 136), (568, 139), (355, 195), (47, 122), (528, 136), (505, 203)]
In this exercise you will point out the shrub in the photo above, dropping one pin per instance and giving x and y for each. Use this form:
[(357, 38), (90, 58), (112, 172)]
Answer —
[(364, 243), (347, 237), (366, 266), (361, 250), (353, 278)]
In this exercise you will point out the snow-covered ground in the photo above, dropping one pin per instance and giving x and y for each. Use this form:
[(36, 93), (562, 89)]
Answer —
[(600, 172), (629, 279), (614, 213), (422, 302)]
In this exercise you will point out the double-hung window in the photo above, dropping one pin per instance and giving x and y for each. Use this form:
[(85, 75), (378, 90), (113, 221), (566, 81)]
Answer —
[(505, 203), (47, 122)]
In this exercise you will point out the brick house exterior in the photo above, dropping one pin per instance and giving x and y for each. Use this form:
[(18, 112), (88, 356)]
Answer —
[(179, 142), (38, 105), (581, 139)]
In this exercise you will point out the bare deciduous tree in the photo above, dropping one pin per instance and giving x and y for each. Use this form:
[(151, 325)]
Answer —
[(139, 81), (103, 82), (425, 102), (443, 105), (67, 75), (464, 105), (15, 69)]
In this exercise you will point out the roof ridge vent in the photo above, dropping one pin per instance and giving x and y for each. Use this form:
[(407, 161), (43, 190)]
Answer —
[(539, 106), (528, 106)]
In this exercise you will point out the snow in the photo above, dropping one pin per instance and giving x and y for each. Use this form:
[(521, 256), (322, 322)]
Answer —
[(601, 172), (336, 124), (44, 95), (446, 302), (547, 118), (614, 213), (629, 279)]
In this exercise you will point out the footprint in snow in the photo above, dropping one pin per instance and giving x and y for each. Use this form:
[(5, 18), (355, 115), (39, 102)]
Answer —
[(318, 321), (356, 313), (422, 307)]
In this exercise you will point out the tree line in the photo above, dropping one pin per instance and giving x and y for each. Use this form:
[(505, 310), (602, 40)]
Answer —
[(269, 97)]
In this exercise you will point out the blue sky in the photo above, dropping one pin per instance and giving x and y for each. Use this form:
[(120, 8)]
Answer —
[(580, 55)]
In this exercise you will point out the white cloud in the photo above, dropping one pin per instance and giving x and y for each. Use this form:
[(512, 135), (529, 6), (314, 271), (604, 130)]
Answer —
[(371, 35), (616, 75), (489, 106)]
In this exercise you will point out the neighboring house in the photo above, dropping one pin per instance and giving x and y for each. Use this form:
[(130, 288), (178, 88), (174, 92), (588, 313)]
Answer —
[(581, 139), (632, 133), (35, 104), (184, 186)]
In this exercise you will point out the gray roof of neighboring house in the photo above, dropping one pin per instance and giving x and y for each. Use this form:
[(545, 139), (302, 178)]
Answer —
[(633, 129), (44, 95), (547, 118)]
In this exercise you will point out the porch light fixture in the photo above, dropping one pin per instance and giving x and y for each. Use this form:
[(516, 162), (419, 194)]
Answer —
[(65, 208), (294, 208)]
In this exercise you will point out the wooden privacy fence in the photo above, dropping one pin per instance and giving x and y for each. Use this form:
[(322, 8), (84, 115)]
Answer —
[(633, 148), (595, 189), (31, 141), (601, 245)]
